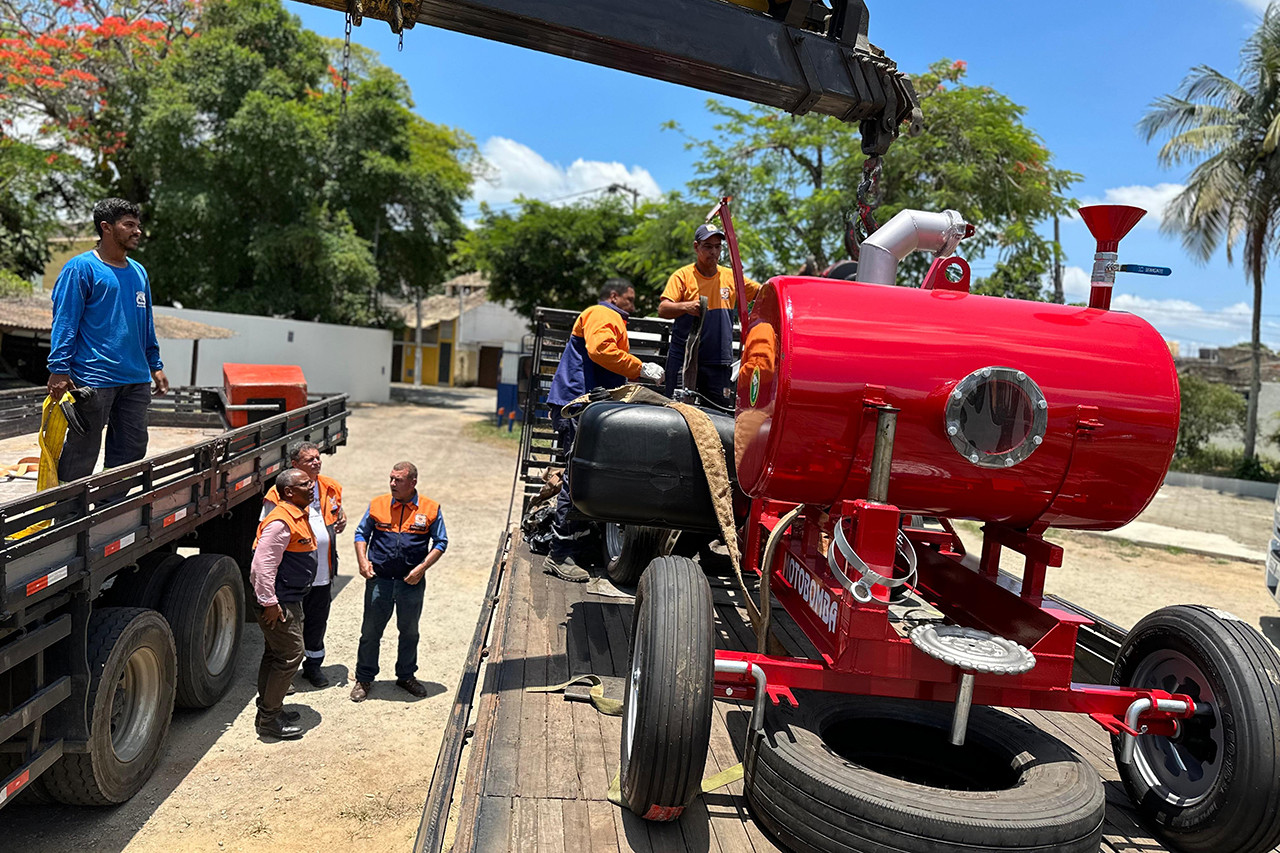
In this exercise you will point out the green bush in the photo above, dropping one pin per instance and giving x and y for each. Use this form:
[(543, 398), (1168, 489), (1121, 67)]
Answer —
[(1223, 462)]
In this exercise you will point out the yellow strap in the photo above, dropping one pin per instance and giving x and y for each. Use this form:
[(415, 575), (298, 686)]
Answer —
[(608, 707), (53, 434), (709, 784)]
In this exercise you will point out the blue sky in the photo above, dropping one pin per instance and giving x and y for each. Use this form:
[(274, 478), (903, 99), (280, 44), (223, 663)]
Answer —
[(1086, 71)]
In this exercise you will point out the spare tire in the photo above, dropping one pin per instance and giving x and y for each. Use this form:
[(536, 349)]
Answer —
[(841, 773), (629, 549)]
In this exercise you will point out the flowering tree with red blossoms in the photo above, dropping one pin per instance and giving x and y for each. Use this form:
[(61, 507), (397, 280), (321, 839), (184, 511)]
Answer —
[(66, 65)]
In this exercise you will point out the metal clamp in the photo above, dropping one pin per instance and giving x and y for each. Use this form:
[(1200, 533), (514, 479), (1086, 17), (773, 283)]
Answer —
[(867, 577), (1134, 712), (742, 667)]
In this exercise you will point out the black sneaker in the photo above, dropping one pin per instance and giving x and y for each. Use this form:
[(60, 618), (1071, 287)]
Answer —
[(315, 677)]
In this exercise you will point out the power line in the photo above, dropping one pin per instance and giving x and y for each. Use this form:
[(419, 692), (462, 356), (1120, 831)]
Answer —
[(510, 204)]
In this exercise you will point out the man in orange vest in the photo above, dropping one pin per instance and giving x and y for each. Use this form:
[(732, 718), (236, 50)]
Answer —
[(284, 565), (713, 348), (328, 519), (401, 536), (598, 355)]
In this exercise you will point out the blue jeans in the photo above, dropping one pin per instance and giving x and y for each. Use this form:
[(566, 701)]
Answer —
[(381, 595)]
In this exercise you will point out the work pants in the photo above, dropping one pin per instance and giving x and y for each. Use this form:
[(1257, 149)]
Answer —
[(565, 530), (122, 409), (281, 657), (381, 596), (315, 608)]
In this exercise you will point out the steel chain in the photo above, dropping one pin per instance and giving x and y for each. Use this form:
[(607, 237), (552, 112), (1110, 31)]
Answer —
[(346, 66), (864, 222)]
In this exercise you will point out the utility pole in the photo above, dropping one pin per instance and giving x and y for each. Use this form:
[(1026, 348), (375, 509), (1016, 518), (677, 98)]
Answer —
[(623, 188), (1057, 264)]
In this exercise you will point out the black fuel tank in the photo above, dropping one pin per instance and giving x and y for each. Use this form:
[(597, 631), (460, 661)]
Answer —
[(637, 464)]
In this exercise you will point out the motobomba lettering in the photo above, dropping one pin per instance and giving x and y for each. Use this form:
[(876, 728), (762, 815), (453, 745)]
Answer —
[(814, 594)]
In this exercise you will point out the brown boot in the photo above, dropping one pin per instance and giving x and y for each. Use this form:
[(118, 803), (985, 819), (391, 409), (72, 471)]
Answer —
[(360, 691)]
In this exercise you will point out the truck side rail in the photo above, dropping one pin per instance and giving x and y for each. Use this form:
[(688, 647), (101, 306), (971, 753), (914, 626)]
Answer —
[(100, 524)]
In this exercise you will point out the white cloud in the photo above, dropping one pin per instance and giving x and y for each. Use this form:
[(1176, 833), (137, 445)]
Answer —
[(1191, 325), (1256, 5), (518, 170), (1154, 200)]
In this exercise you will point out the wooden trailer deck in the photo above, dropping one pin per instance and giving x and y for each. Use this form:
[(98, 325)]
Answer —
[(536, 772)]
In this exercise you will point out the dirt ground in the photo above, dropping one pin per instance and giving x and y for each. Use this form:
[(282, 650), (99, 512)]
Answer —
[(358, 778)]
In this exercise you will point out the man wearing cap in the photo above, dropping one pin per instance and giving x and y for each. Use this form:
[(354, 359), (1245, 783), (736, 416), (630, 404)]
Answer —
[(598, 355), (713, 353)]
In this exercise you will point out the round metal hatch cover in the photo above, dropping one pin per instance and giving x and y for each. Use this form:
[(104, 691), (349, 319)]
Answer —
[(973, 650)]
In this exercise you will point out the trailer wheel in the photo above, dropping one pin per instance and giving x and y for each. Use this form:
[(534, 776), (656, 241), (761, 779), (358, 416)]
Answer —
[(145, 585), (666, 717), (840, 774), (134, 668), (629, 549), (1212, 787), (205, 608)]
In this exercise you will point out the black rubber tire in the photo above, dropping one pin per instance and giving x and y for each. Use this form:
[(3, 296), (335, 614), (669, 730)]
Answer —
[(205, 608), (668, 711), (1236, 808), (144, 585), (1027, 790), (100, 777), (640, 545)]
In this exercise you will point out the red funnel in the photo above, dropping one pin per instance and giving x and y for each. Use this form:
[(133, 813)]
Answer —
[(1108, 223)]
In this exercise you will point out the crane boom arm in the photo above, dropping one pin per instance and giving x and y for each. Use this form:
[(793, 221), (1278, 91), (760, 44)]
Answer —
[(720, 47)]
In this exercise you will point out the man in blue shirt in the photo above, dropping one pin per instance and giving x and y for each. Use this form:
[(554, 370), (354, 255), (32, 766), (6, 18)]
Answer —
[(104, 338), (401, 536)]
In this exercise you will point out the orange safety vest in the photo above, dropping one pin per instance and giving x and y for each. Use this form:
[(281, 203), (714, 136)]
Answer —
[(298, 563), (330, 498)]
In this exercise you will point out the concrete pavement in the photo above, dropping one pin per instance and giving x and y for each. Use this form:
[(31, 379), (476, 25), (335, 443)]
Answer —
[(1203, 521)]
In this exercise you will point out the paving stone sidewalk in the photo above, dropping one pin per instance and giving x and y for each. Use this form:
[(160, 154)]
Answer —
[(1204, 521)]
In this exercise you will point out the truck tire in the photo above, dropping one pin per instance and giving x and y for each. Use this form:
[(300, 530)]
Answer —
[(144, 585), (1212, 787), (133, 666), (629, 549), (817, 777), (205, 608), (666, 716)]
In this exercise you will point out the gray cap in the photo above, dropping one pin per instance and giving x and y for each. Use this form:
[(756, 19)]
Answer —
[(706, 231)]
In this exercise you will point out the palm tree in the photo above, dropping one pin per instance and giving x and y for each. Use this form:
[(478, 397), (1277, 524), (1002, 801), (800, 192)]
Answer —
[(1231, 131)]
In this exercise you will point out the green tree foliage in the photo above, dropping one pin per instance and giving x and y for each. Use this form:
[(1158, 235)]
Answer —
[(258, 195), (543, 255), (794, 179), (1208, 408), (264, 199), (1230, 130), (37, 189), (661, 242)]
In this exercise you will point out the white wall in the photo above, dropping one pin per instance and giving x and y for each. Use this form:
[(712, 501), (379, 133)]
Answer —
[(337, 359), (493, 324)]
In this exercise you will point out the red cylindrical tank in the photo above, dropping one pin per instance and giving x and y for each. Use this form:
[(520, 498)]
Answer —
[(1011, 411)]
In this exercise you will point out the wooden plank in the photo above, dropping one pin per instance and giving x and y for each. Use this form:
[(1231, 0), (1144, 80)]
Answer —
[(727, 806), (576, 824), (618, 629), (562, 768), (551, 837), (597, 638), (589, 750), (735, 720), (493, 826), (533, 707), (579, 647), (604, 828), (501, 769), (524, 826)]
